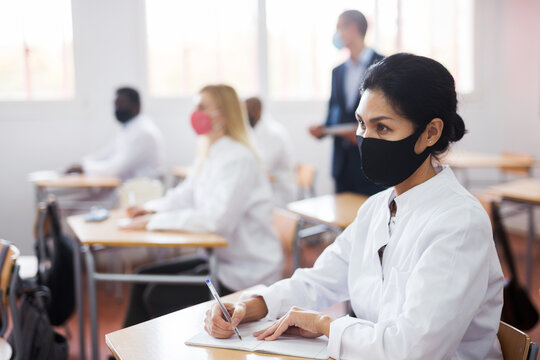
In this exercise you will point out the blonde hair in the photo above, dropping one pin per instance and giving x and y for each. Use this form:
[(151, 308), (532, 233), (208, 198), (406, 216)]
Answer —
[(233, 110)]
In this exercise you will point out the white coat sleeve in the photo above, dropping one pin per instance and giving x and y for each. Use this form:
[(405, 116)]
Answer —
[(223, 203), (441, 297), (316, 288), (181, 197), (125, 157)]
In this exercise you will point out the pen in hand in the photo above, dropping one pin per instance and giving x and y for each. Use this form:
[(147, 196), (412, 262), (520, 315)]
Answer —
[(223, 309)]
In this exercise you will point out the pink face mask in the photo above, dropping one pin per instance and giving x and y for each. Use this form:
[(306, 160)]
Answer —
[(201, 122)]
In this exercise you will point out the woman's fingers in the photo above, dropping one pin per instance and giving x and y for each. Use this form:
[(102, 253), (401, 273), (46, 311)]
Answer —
[(218, 319), (283, 326), (270, 330)]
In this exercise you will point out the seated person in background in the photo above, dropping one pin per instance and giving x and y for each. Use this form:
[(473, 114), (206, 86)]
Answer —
[(228, 194), (275, 149), (137, 150), (418, 264)]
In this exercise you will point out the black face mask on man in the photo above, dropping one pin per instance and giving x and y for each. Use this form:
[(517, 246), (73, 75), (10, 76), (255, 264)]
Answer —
[(389, 163), (123, 115)]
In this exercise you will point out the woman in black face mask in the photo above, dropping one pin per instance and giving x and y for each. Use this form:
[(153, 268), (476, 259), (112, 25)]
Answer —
[(418, 264), (407, 116)]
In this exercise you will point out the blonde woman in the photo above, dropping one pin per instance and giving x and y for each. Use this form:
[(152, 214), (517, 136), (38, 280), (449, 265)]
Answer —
[(229, 194)]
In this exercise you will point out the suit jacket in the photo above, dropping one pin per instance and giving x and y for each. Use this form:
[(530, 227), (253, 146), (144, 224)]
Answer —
[(346, 159)]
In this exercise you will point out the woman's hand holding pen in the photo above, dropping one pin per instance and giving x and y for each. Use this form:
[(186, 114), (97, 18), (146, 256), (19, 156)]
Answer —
[(215, 323)]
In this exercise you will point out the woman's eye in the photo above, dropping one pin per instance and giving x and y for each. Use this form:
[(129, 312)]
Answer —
[(362, 124), (381, 127)]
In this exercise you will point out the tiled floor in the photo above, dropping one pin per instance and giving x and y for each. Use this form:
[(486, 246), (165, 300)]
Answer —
[(111, 311)]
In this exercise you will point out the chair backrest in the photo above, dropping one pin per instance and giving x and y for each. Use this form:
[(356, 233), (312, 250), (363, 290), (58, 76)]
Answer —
[(7, 269), (139, 191), (10, 254), (525, 161), (286, 225), (305, 179), (514, 342)]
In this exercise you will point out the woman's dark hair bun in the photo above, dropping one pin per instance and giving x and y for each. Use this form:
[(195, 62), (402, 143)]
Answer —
[(421, 89)]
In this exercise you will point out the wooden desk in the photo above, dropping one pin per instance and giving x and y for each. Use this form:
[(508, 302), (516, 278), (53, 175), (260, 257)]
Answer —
[(525, 191), (335, 210), (471, 159), (79, 181), (44, 180), (105, 233), (163, 338)]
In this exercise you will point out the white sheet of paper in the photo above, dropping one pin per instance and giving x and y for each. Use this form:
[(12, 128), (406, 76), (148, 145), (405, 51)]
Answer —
[(284, 345)]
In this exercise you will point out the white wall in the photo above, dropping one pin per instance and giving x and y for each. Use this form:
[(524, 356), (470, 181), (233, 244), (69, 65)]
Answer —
[(504, 113)]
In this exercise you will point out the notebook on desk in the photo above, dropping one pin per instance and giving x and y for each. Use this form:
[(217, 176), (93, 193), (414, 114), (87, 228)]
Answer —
[(284, 345)]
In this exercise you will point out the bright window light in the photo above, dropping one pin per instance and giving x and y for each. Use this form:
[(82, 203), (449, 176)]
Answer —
[(195, 43), (36, 50)]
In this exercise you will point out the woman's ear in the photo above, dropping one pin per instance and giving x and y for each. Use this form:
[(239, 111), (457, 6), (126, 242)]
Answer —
[(434, 131), (430, 136)]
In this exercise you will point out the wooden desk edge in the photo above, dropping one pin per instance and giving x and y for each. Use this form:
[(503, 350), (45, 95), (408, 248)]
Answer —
[(117, 243)]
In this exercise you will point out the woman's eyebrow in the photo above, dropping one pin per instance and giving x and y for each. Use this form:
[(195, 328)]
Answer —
[(373, 120)]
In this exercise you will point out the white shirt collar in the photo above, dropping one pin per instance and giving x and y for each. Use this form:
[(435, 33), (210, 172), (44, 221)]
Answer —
[(424, 191), (363, 58)]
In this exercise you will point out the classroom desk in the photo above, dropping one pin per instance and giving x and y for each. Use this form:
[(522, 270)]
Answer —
[(106, 233), (163, 338), (464, 160), (337, 210), (44, 180), (471, 159), (525, 191)]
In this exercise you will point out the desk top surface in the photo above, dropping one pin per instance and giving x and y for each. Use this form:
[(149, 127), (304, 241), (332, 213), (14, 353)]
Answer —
[(107, 233), (164, 337), (336, 210), (471, 159), (51, 179), (525, 190)]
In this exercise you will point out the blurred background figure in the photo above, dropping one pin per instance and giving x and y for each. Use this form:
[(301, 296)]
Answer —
[(275, 149), (346, 78), (136, 151)]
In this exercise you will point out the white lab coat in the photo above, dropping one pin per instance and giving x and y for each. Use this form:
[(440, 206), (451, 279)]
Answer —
[(438, 294), (230, 196), (275, 149), (137, 151)]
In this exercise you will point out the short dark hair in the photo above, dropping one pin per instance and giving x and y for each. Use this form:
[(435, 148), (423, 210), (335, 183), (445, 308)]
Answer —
[(131, 94), (357, 18), (420, 89)]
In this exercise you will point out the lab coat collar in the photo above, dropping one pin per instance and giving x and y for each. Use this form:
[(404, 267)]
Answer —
[(424, 192), (220, 145), (132, 122)]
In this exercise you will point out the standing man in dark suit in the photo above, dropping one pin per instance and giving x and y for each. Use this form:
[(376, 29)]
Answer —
[(346, 80)]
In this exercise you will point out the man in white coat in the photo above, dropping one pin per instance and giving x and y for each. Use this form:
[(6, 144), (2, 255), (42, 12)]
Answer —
[(137, 150), (275, 149)]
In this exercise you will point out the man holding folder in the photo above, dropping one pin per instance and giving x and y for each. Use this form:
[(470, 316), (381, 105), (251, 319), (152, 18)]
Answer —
[(341, 121)]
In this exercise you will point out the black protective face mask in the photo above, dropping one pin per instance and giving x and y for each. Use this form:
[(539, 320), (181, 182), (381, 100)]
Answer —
[(389, 163), (123, 115)]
